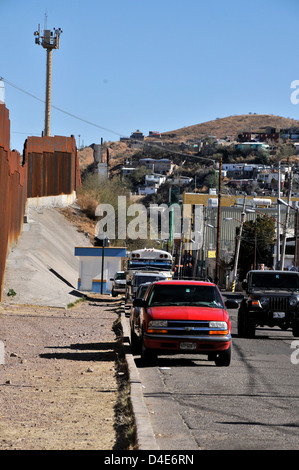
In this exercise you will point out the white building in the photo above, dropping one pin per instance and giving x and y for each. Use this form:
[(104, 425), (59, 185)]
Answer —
[(90, 267)]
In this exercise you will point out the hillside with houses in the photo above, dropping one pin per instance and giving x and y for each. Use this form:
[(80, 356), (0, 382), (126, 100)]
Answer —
[(249, 147), (254, 154)]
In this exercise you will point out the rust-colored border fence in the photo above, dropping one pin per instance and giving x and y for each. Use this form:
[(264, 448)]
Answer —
[(49, 167), (13, 192), (52, 166)]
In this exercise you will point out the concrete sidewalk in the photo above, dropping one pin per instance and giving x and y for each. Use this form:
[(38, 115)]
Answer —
[(42, 268)]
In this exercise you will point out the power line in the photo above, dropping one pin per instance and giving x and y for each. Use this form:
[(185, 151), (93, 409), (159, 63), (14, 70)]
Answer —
[(148, 144), (59, 109)]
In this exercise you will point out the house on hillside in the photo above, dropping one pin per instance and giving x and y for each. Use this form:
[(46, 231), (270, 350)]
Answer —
[(269, 180), (149, 163), (152, 184), (136, 139), (267, 133), (138, 135), (291, 133), (259, 146), (163, 166), (242, 171), (127, 171), (154, 179), (154, 134), (264, 134), (180, 180)]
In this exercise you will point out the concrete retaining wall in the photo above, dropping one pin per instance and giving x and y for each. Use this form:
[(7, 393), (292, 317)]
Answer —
[(47, 174)]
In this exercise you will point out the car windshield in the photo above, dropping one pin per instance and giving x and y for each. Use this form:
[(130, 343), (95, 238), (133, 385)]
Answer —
[(142, 279), (188, 295), (275, 280), (147, 264), (141, 291), (119, 276)]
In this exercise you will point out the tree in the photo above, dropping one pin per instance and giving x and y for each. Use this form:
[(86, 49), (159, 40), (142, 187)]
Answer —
[(284, 151), (211, 179), (262, 158), (256, 244)]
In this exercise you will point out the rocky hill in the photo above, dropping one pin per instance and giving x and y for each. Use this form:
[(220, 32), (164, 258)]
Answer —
[(221, 128), (120, 151), (231, 126)]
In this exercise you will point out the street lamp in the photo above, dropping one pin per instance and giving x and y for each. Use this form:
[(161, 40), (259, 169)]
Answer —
[(103, 242)]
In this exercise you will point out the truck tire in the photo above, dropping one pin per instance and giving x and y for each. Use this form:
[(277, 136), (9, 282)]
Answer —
[(224, 357), (148, 356), (246, 327), (296, 328), (134, 343)]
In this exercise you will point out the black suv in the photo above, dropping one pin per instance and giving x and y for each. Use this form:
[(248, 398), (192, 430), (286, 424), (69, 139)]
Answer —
[(272, 299)]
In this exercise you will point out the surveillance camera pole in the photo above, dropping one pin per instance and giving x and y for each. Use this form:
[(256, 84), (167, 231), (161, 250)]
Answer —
[(49, 41)]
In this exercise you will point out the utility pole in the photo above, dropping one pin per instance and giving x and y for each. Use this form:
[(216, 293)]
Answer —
[(238, 246), (278, 264), (218, 225), (49, 41), (286, 224), (296, 231)]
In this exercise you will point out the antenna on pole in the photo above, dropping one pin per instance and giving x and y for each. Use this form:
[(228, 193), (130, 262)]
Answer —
[(49, 41)]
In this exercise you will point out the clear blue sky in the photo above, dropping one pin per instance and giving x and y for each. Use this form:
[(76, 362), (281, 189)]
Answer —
[(161, 65)]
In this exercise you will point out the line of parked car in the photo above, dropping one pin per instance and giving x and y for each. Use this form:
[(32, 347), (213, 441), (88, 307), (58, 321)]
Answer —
[(178, 316), (185, 316)]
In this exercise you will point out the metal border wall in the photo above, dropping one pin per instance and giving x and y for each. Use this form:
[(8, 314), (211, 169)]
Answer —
[(49, 167), (13, 192), (52, 166)]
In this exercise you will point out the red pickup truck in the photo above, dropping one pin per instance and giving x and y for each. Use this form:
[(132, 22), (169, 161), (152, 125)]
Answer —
[(176, 317)]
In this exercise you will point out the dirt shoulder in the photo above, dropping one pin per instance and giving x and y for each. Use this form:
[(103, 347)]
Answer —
[(63, 383)]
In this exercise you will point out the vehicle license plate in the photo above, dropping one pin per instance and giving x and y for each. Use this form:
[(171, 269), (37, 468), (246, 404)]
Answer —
[(189, 346), (278, 314)]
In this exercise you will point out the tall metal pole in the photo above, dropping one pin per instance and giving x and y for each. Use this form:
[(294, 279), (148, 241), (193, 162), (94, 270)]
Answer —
[(203, 243), (48, 92), (278, 222), (218, 225), (49, 41), (238, 246), (296, 264), (285, 228), (103, 263)]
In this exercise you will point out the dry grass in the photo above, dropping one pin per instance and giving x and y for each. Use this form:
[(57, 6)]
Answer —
[(220, 127), (80, 220), (232, 126)]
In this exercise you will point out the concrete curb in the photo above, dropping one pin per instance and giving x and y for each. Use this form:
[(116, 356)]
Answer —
[(145, 435)]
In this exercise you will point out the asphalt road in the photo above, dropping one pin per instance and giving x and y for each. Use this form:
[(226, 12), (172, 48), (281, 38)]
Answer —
[(251, 405)]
